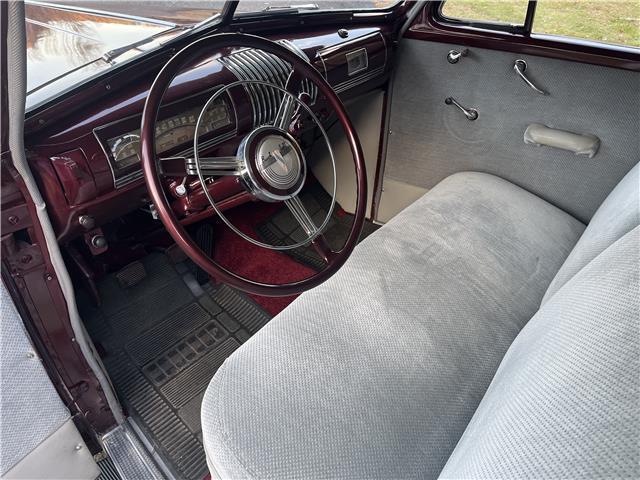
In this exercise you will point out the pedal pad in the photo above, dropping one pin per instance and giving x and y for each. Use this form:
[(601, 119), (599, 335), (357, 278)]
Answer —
[(204, 239), (131, 275)]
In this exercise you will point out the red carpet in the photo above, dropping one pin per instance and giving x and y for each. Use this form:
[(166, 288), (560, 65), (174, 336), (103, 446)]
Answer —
[(253, 262)]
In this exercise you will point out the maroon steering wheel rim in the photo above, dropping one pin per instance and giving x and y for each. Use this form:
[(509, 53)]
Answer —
[(191, 53)]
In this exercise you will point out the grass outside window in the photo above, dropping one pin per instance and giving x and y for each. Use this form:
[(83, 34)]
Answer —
[(614, 22)]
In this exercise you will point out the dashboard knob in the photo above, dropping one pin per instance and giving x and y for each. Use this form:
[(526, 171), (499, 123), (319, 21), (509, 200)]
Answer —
[(99, 241), (87, 221), (181, 190)]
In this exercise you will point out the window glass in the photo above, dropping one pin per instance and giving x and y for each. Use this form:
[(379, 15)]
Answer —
[(615, 22), (250, 6), (486, 11)]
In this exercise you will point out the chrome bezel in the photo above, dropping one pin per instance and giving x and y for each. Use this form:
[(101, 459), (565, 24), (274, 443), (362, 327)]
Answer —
[(255, 182)]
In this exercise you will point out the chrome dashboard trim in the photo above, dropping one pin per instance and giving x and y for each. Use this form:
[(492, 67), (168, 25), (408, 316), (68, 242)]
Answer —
[(357, 52), (119, 182), (127, 179), (356, 80), (252, 64), (346, 85)]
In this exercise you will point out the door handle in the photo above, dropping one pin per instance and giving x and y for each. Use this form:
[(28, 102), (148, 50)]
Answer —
[(520, 67), (470, 113)]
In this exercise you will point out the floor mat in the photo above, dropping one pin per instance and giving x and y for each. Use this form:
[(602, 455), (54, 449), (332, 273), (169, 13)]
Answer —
[(108, 470), (281, 228), (162, 336), (254, 262)]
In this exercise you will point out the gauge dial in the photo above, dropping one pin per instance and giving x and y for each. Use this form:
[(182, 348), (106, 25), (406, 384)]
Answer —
[(171, 133), (126, 150)]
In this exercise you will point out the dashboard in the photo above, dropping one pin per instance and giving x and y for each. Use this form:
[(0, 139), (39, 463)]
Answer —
[(88, 163), (123, 150), (174, 134)]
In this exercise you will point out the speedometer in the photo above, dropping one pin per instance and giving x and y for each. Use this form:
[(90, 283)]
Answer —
[(126, 150), (172, 133)]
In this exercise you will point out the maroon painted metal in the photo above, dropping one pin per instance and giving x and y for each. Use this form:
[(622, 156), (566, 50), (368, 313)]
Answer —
[(220, 189), (56, 131), (155, 184), (29, 276), (382, 150), (27, 270), (75, 176), (67, 124), (332, 58), (426, 27)]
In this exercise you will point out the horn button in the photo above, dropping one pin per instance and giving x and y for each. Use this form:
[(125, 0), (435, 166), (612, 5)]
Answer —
[(275, 168)]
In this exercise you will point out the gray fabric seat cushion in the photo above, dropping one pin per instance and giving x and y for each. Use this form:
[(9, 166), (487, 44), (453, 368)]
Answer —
[(377, 372), (565, 400), (618, 214)]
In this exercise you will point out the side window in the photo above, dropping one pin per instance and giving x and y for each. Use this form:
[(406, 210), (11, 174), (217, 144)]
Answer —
[(608, 21), (616, 22), (511, 12)]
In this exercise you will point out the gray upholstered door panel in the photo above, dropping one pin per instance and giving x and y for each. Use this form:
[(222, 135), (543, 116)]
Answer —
[(38, 438), (431, 140)]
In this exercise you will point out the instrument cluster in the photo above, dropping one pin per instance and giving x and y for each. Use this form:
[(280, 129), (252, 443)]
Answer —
[(172, 134)]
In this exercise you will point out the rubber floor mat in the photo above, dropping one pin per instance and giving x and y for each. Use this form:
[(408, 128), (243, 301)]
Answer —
[(108, 470), (162, 338), (283, 229)]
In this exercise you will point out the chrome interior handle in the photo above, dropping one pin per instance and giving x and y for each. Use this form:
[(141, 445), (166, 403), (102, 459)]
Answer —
[(520, 67), (454, 56), (470, 113)]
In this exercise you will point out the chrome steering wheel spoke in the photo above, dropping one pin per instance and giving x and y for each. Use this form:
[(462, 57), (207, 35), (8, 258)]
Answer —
[(300, 213), (209, 166), (289, 108), (214, 166), (285, 113), (317, 239), (273, 180), (270, 165)]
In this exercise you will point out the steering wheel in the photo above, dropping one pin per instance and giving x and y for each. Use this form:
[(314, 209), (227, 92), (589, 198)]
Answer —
[(270, 162)]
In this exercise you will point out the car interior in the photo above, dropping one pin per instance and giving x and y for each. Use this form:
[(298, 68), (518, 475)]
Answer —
[(385, 240)]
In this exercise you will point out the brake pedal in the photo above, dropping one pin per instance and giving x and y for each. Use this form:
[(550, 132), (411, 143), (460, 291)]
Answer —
[(131, 275)]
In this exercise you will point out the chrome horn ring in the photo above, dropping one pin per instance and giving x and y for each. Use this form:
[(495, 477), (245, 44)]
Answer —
[(257, 177)]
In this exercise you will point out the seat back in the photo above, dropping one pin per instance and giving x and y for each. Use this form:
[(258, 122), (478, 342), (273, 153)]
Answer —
[(564, 402), (618, 214)]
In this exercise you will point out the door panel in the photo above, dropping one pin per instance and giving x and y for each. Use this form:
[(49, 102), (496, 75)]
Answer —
[(430, 140), (38, 438)]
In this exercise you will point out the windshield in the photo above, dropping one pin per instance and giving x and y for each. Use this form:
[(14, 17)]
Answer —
[(181, 12), (249, 6), (78, 39), (71, 41)]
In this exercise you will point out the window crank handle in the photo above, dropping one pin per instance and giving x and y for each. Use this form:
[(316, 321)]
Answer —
[(470, 113)]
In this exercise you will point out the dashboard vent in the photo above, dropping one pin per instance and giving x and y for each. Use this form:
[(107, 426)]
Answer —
[(254, 64)]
